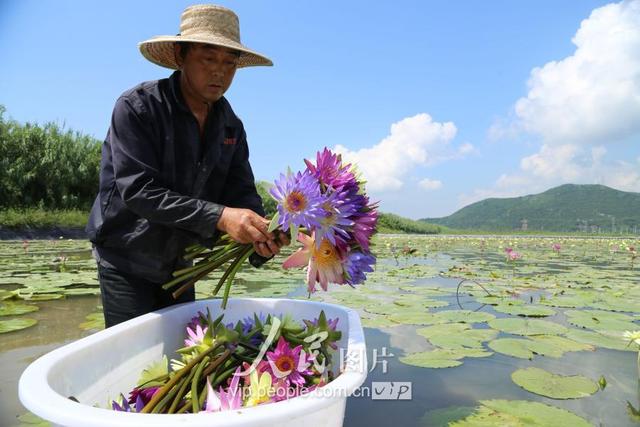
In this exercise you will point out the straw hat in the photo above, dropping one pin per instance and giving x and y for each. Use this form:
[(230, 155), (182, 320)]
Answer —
[(203, 23)]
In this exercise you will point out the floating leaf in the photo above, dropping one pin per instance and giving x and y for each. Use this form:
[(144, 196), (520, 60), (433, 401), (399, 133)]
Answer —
[(16, 324), (16, 309), (555, 386), (440, 358), (443, 416), (413, 318), (524, 310), (527, 326), (520, 413), (600, 320), (456, 335), (599, 339), (462, 316), (93, 321)]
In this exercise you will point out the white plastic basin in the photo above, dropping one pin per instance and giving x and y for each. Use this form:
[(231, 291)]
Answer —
[(99, 367)]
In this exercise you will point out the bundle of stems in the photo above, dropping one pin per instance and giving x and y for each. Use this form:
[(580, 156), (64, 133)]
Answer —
[(218, 363), (224, 251)]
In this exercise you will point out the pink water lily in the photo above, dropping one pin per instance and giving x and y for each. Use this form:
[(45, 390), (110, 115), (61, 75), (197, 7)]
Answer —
[(288, 364), (324, 263), (224, 400), (196, 337)]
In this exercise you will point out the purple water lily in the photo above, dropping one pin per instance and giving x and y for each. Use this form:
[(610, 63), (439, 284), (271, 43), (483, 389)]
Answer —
[(298, 196), (356, 265), (126, 407), (330, 170), (335, 219)]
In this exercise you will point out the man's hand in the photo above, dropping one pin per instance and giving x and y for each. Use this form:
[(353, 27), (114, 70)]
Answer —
[(246, 226), (272, 247)]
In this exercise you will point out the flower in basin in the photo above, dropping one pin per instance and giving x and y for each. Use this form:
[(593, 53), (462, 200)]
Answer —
[(288, 364), (324, 263), (122, 405), (260, 388), (224, 400), (145, 394), (196, 336)]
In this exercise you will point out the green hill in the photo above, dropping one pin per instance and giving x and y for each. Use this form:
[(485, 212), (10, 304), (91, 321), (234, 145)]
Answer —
[(586, 208)]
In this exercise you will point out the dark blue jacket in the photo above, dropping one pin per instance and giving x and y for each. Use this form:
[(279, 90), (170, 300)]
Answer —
[(162, 186)]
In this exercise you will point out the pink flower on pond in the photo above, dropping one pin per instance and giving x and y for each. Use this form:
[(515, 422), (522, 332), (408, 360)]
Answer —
[(556, 247), (324, 263), (513, 256)]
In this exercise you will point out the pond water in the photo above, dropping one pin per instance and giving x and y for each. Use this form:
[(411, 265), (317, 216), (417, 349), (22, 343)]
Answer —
[(564, 312)]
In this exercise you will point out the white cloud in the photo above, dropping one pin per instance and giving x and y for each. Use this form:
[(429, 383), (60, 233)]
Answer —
[(555, 165), (592, 96), (430, 184), (577, 105), (413, 141)]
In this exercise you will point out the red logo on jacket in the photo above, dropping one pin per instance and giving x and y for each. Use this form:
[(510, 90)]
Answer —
[(229, 141)]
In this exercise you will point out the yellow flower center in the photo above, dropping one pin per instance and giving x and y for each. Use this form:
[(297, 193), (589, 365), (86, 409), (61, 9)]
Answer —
[(326, 255)]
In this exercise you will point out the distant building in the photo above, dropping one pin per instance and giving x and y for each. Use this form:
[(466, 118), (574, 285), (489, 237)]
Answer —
[(524, 225)]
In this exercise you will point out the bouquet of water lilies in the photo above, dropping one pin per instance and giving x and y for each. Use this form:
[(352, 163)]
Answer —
[(258, 360), (326, 208)]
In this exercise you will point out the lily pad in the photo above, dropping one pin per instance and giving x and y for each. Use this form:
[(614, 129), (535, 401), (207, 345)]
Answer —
[(16, 324), (524, 310), (456, 335), (527, 326), (547, 384), (611, 341), (413, 318), (16, 309), (462, 316), (520, 413), (443, 416), (93, 321), (601, 320)]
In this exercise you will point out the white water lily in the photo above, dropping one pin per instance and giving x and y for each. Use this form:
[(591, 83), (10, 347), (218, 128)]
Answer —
[(632, 337)]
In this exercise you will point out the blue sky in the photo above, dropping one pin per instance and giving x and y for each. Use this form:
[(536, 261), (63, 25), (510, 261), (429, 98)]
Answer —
[(440, 103)]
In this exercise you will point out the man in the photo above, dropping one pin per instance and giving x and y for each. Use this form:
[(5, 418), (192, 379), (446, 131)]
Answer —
[(175, 168)]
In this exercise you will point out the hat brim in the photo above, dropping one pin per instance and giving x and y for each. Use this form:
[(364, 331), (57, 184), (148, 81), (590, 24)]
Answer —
[(160, 50)]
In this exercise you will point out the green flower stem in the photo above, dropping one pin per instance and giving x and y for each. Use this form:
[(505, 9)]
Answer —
[(203, 267), (234, 270), (168, 398), (194, 385), (181, 392), (223, 376), (217, 362), (228, 272), (174, 380)]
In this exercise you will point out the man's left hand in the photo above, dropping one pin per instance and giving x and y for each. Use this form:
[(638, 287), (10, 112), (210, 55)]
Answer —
[(272, 247)]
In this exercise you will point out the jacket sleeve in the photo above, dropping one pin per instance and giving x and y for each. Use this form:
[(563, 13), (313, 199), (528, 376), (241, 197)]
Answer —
[(240, 188), (138, 178)]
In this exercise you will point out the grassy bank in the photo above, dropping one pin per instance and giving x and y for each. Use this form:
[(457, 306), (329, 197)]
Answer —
[(17, 219)]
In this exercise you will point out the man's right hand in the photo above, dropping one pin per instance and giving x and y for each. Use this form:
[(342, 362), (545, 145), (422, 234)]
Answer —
[(244, 225)]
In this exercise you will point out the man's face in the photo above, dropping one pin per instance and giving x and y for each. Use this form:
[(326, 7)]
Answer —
[(208, 71)]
